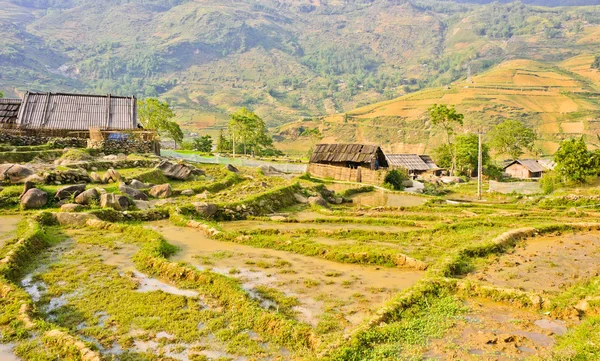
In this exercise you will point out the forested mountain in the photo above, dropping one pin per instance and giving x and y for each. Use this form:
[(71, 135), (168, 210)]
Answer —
[(285, 59)]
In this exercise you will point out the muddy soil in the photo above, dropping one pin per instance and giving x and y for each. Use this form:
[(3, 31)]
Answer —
[(8, 225), (545, 264), (494, 331), (386, 199), (355, 290), (250, 225)]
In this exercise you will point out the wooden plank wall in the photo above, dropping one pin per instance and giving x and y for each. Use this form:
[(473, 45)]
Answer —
[(363, 175)]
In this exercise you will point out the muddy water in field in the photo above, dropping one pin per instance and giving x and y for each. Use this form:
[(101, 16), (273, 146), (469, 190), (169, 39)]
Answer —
[(494, 331), (355, 290), (340, 187), (546, 264), (386, 199), (8, 224), (6, 352), (250, 225)]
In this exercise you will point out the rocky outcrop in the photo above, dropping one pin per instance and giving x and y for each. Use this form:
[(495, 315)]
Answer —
[(73, 219), (205, 210), (71, 207), (231, 168), (14, 173), (178, 171), (188, 192), (34, 198), (112, 176), (114, 201), (69, 191), (95, 178), (137, 184), (161, 191), (300, 198), (142, 205), (133, 193), (87, 197), (318, 201), (66, 176)]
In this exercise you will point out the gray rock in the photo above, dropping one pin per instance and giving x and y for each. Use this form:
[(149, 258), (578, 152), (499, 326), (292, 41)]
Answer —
[(114, 201), (203, 195), (71, 207), (69, 191), (88, 196), (132, 192), (73, 219), (179, 171), (161, 191), (142, 205), (300, 198), (318, 201), (187, 192), (26, 186), (112, 175), (231, 168), (14, 173), (206, 210), (95, 178), (137, 184), (34, 198)]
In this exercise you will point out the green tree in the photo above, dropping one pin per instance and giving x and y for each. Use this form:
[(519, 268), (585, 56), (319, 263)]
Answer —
[(223, 143), (511, 137), (1, 94), (596, 63), (574, 162), (446, 118), (466, 152), (157, 115), (203, 143), (249, 130), (395, 178)]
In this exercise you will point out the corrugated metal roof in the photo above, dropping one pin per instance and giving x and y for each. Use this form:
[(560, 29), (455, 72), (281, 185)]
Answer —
[(9, 110), (549, 163), (77, 112), (429, 161), (531, 164), (408, 161), (335, 153)]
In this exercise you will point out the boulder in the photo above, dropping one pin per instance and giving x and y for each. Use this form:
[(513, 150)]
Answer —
[(137, 184), (451, 180), (203, 195), (114, 201), (187, 192), (71, 207), (73, 219), (206, 210), (269, 170), (95, 178), (27, 186), (142, 205), (69, 191), (34, 198), (88, 196), (161, 191), (14, 173), (231, 168), (300, 198), (112, 175), (133, 193), (179, 171), (318, 201)]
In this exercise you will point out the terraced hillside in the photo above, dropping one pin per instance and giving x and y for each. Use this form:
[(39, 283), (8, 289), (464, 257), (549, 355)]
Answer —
[(559, 100), (287, 60)]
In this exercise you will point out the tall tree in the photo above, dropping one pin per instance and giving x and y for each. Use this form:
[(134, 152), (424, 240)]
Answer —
[(574, 162), (512, 137), (466, 152), (249, 129), (157, 115), (446, 118), (223, 143)]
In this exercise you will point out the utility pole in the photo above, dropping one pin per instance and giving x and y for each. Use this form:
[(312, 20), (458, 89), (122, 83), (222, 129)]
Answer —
[(479, 168)]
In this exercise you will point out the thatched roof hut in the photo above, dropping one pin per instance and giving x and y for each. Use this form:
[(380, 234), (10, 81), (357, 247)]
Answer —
[(76, 112), (9, 111), (349, 155)]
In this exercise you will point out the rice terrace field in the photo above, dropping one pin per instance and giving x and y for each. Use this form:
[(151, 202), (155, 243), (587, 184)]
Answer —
[(237, 265)]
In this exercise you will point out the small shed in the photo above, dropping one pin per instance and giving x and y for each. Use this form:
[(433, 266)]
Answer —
[(9, 111), (524, 169), (349, 156), (77, 112), (415, 164)]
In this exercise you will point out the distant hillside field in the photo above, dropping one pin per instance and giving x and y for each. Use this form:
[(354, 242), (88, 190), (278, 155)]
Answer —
[(290, 60), (558, 100)]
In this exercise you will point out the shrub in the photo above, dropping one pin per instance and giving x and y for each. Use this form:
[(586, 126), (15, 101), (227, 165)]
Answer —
[(395, 178), (550, 182)]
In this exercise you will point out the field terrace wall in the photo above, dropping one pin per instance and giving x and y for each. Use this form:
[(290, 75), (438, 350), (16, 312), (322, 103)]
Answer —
[(361, 175), (127, 146), (18, 139)]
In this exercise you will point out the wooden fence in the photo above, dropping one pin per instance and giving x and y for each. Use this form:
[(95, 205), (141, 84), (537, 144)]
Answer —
[(362, 175)]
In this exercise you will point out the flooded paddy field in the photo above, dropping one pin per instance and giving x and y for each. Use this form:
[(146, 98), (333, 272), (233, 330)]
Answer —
[(236, 265)]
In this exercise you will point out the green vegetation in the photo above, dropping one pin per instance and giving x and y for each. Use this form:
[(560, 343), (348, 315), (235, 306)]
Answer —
[(155, 114), (511, 137), (447, 118), (395, 178), (574, 162)]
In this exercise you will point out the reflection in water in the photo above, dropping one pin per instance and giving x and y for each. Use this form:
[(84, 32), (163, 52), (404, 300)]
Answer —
[(387, 199)]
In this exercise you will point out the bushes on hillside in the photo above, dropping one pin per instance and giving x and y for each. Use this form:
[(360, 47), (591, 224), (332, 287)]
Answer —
[(395, 178)]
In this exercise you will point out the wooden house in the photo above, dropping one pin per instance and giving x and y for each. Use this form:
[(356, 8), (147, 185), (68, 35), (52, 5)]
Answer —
[(414, 164), (349, 156), (524, 169), (9, 112)]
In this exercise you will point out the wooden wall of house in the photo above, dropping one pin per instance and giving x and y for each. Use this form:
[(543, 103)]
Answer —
[(360, 174), (375, 177), (516, 170)]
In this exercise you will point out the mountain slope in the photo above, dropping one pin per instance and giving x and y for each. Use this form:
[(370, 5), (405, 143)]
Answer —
[(559, 100)]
